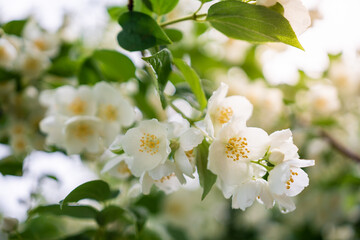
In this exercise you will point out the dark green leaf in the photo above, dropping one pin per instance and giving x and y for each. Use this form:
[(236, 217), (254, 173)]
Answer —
[(89, 72), (207, 178), (149, 234), (85, 212), (253, 23), (160, 7), (152, 202), (139, 32), (116, 11), (110, 214), (174, 34), (11, 166), (6, 75), (97, 190), (161, 65), (193, 80), (114, 65), (141, 215), (14, 27)]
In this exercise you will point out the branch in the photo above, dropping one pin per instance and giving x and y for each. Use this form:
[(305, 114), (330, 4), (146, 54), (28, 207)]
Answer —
[(341, 148), (130, 5)]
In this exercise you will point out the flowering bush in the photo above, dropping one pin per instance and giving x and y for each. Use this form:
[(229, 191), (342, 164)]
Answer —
[(173, 109)]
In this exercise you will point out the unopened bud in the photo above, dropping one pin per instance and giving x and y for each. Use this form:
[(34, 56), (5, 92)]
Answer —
[(276, 157)]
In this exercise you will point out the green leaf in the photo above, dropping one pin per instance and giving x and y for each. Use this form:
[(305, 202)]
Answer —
[(116, 11), (207, 178), (11, 166), (6, 75), (109, 214), (160, 7), (139, 32), (114, 66), (64, 67), (89, 72), (15, 27), (174, 34), (161, 65), (97, 190), (193, 80), (253, 23), (84, 212), (278, 8)]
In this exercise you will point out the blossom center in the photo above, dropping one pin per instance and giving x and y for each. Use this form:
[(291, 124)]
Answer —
[(31, 64), (291, 180), (108, 112), (149, 143), (190, 155), (77, 106), (40, 44), (236, 147), (225, 114), (82, 131), (123, 168)]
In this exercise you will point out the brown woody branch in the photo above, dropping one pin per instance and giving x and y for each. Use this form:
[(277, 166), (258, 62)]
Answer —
[(338, 146)]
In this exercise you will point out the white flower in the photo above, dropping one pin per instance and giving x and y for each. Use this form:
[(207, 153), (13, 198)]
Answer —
[(53, 126), (82, 133), (288, 178), (74, 102), (32, 63), (185, 140), (113, 109), (234, 148), (221, 109), (294, 11), (253, 187), (323, 99), (117, 167), (8, 53), (282, 147), (148, 146), (165, 179)]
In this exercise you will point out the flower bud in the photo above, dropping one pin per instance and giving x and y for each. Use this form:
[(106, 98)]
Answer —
[(276, 157)]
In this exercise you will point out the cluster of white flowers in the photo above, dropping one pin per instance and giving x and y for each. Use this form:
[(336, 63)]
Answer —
[(158, 153), (85, 119), (249, 163), (29, 55)]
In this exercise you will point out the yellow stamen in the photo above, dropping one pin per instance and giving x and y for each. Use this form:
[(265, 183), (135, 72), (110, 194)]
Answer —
[(236, 148), (149, 143)]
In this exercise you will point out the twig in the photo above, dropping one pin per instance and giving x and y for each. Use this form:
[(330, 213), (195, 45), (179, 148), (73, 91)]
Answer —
[(130, 5), (341, 148)]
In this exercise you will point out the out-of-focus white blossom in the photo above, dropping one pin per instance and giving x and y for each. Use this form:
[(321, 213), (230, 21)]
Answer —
[(82, 133), (8, 53)]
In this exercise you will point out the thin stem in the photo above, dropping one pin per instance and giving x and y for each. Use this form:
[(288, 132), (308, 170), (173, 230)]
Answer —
[(341, 148), (202, 3), (181, 113), (191, 17), (259, 163), (191, 121)]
